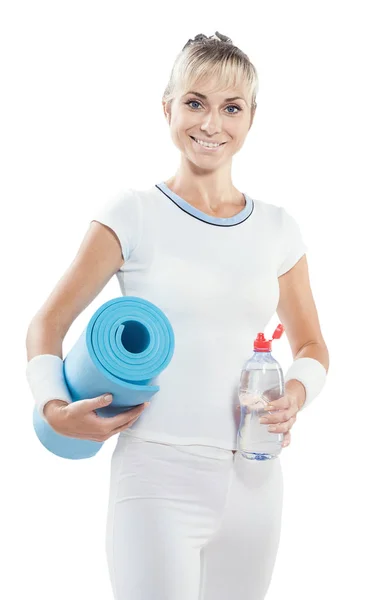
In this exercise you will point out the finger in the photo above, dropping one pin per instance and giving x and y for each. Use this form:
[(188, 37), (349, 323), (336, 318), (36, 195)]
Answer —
[(282, 427), (279, 404), (133, 416), (286, 439), (109, 424), (278, 416), (123, 427), (91, 404)]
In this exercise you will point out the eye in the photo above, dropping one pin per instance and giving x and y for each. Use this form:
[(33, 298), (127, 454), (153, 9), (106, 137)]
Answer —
[(230, 105)]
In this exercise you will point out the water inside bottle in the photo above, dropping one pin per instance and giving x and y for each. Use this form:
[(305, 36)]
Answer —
[(255, 442)]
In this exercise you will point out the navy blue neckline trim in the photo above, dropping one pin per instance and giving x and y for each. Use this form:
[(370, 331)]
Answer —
[(201, 216)]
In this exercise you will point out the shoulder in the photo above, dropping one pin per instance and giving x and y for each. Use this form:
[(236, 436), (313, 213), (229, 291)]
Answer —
[(120, 212), (279, 215), (272, 213), (122, 200), (122, 206)]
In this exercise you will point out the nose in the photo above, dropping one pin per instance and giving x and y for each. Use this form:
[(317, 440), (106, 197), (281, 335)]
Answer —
[(211, 123)]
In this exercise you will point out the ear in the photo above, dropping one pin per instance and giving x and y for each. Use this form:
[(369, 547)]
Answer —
[(167, 110), (252, 116)]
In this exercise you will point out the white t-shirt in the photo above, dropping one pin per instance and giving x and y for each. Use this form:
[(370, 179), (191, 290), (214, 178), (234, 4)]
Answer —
[(216, 279)]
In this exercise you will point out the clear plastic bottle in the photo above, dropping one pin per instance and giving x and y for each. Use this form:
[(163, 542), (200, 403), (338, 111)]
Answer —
[(261, 381)]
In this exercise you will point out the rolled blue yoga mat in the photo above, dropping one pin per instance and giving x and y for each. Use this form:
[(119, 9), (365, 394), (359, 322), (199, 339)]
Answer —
[(127, 343)]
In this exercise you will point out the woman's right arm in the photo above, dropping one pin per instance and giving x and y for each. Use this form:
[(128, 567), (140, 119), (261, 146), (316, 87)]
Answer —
[(99, 257)]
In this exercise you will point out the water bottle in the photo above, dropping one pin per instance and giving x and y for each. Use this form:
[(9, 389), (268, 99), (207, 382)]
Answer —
[(261, 382)]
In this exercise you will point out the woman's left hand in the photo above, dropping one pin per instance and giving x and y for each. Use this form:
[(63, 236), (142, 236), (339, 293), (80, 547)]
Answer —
[(284, 416)]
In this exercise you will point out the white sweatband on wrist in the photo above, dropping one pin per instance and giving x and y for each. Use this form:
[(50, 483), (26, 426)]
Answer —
[(46, 379), (311, 373)]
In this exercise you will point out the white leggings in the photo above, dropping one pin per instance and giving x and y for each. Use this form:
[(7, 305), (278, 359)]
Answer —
[(191, 522)]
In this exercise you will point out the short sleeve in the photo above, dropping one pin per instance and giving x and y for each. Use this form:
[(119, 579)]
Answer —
[(292, 244), (121, 214)]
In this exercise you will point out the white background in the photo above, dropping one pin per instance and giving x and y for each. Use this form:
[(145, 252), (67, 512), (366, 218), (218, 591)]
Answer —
[(81, 119)]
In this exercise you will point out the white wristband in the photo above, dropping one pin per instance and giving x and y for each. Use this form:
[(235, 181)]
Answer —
[(46, 379), (311, 373)]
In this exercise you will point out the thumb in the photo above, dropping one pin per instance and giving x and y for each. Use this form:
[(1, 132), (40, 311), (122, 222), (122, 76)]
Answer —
[(97, 402), (103, 400)]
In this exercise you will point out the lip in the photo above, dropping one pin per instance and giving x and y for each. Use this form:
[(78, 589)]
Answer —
[(208, 149)]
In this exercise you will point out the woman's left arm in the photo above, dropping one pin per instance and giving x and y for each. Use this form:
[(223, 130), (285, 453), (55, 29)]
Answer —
[(297, 312)]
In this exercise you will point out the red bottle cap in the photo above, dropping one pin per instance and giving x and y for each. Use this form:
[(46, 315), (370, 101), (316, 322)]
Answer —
[(263, 345)]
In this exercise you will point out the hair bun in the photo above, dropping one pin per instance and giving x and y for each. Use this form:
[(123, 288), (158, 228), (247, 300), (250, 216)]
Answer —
[(216, 36)]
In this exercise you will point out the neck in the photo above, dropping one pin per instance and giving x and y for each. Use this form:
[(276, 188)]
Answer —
[(208, 192)]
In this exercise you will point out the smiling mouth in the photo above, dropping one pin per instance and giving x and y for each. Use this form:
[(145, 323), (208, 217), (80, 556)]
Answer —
[(220, 144)]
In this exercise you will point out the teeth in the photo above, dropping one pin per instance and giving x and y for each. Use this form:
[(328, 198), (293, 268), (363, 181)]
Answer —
[(207, 144)]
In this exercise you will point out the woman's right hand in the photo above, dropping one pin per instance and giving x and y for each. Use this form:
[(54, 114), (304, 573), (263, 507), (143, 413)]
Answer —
[(79, 419)]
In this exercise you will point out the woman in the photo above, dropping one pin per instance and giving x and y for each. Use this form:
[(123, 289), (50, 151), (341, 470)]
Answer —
[(189, 518)]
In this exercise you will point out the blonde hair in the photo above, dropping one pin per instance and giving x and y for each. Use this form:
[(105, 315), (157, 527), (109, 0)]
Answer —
[(215, 57)]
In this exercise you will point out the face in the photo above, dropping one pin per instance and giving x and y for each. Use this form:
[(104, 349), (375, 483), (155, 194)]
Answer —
[(213, 119)]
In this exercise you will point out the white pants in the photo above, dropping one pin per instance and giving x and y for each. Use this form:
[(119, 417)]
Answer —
[(191, 522)]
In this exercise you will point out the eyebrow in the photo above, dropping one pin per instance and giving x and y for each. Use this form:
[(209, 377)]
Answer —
[(205, 97)]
